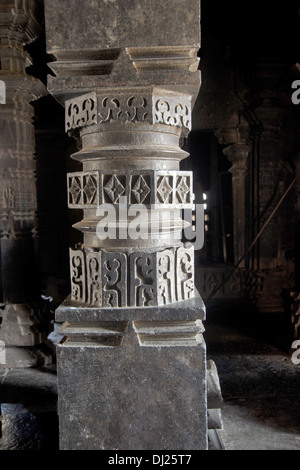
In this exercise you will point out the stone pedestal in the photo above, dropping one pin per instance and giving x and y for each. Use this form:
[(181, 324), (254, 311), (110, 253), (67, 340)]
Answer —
[(132, 363), (132, 378)]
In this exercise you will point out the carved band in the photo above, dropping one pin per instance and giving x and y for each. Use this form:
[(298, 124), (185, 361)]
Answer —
[(90, 189), (90, 109), (116, 279)]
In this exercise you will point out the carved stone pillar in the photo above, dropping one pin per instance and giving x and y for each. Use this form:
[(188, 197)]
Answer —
[(19, 25), (132, 365)]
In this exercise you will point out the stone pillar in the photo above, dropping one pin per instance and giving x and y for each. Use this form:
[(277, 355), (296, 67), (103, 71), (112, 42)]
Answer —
[(132, 364), (236, 142), (19, 25), (237, 154), (274, 175)]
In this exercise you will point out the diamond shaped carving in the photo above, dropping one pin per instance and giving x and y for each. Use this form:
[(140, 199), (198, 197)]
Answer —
[(90, 189), (141, 190), (164, 190), (114, 189), (182, 190), (75, 190)]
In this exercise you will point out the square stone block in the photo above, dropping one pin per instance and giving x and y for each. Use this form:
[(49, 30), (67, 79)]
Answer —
[(132, 396)]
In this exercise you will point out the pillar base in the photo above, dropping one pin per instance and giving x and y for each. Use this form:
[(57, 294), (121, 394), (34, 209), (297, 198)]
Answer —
[(132, 378)]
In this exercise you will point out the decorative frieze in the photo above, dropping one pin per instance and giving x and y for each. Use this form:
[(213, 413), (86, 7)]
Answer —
[(90, 189), (102, 278), (88, 109)]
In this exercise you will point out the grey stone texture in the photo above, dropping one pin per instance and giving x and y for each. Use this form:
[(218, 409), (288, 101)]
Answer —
[(131, 397), (132, 363)]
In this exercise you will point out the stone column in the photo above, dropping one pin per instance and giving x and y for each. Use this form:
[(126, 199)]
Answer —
[(274, 176), (19, 25), (236, 142), (132, 364)]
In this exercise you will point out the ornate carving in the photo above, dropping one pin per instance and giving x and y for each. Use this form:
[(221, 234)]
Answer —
[(81, 111), (78, 275), (100, 278), (114, 189), (87, 189), (90, 188), (183, 190), (85, 110), (93, 267), (143, 280), (185, 273), (173, 112), (165, 189), (114, 279), (75, 190), (83, 189), (141, 190), (166, 280), (123, 108)]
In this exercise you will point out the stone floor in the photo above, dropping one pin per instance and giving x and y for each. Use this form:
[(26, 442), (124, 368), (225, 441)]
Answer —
[(260, 384), (260, 387)]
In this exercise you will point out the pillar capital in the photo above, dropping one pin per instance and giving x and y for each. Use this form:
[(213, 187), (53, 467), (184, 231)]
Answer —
[(237, 154)]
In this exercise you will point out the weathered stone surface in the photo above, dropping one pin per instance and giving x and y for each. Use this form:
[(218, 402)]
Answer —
[(132, 367), (214, 395), (122, 44), (149, 406)]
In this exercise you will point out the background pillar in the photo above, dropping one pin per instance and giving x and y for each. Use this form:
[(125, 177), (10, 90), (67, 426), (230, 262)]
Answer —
[(19, 25)]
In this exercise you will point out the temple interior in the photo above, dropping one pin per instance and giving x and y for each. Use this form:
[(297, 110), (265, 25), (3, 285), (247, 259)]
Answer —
[(244, 152)]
